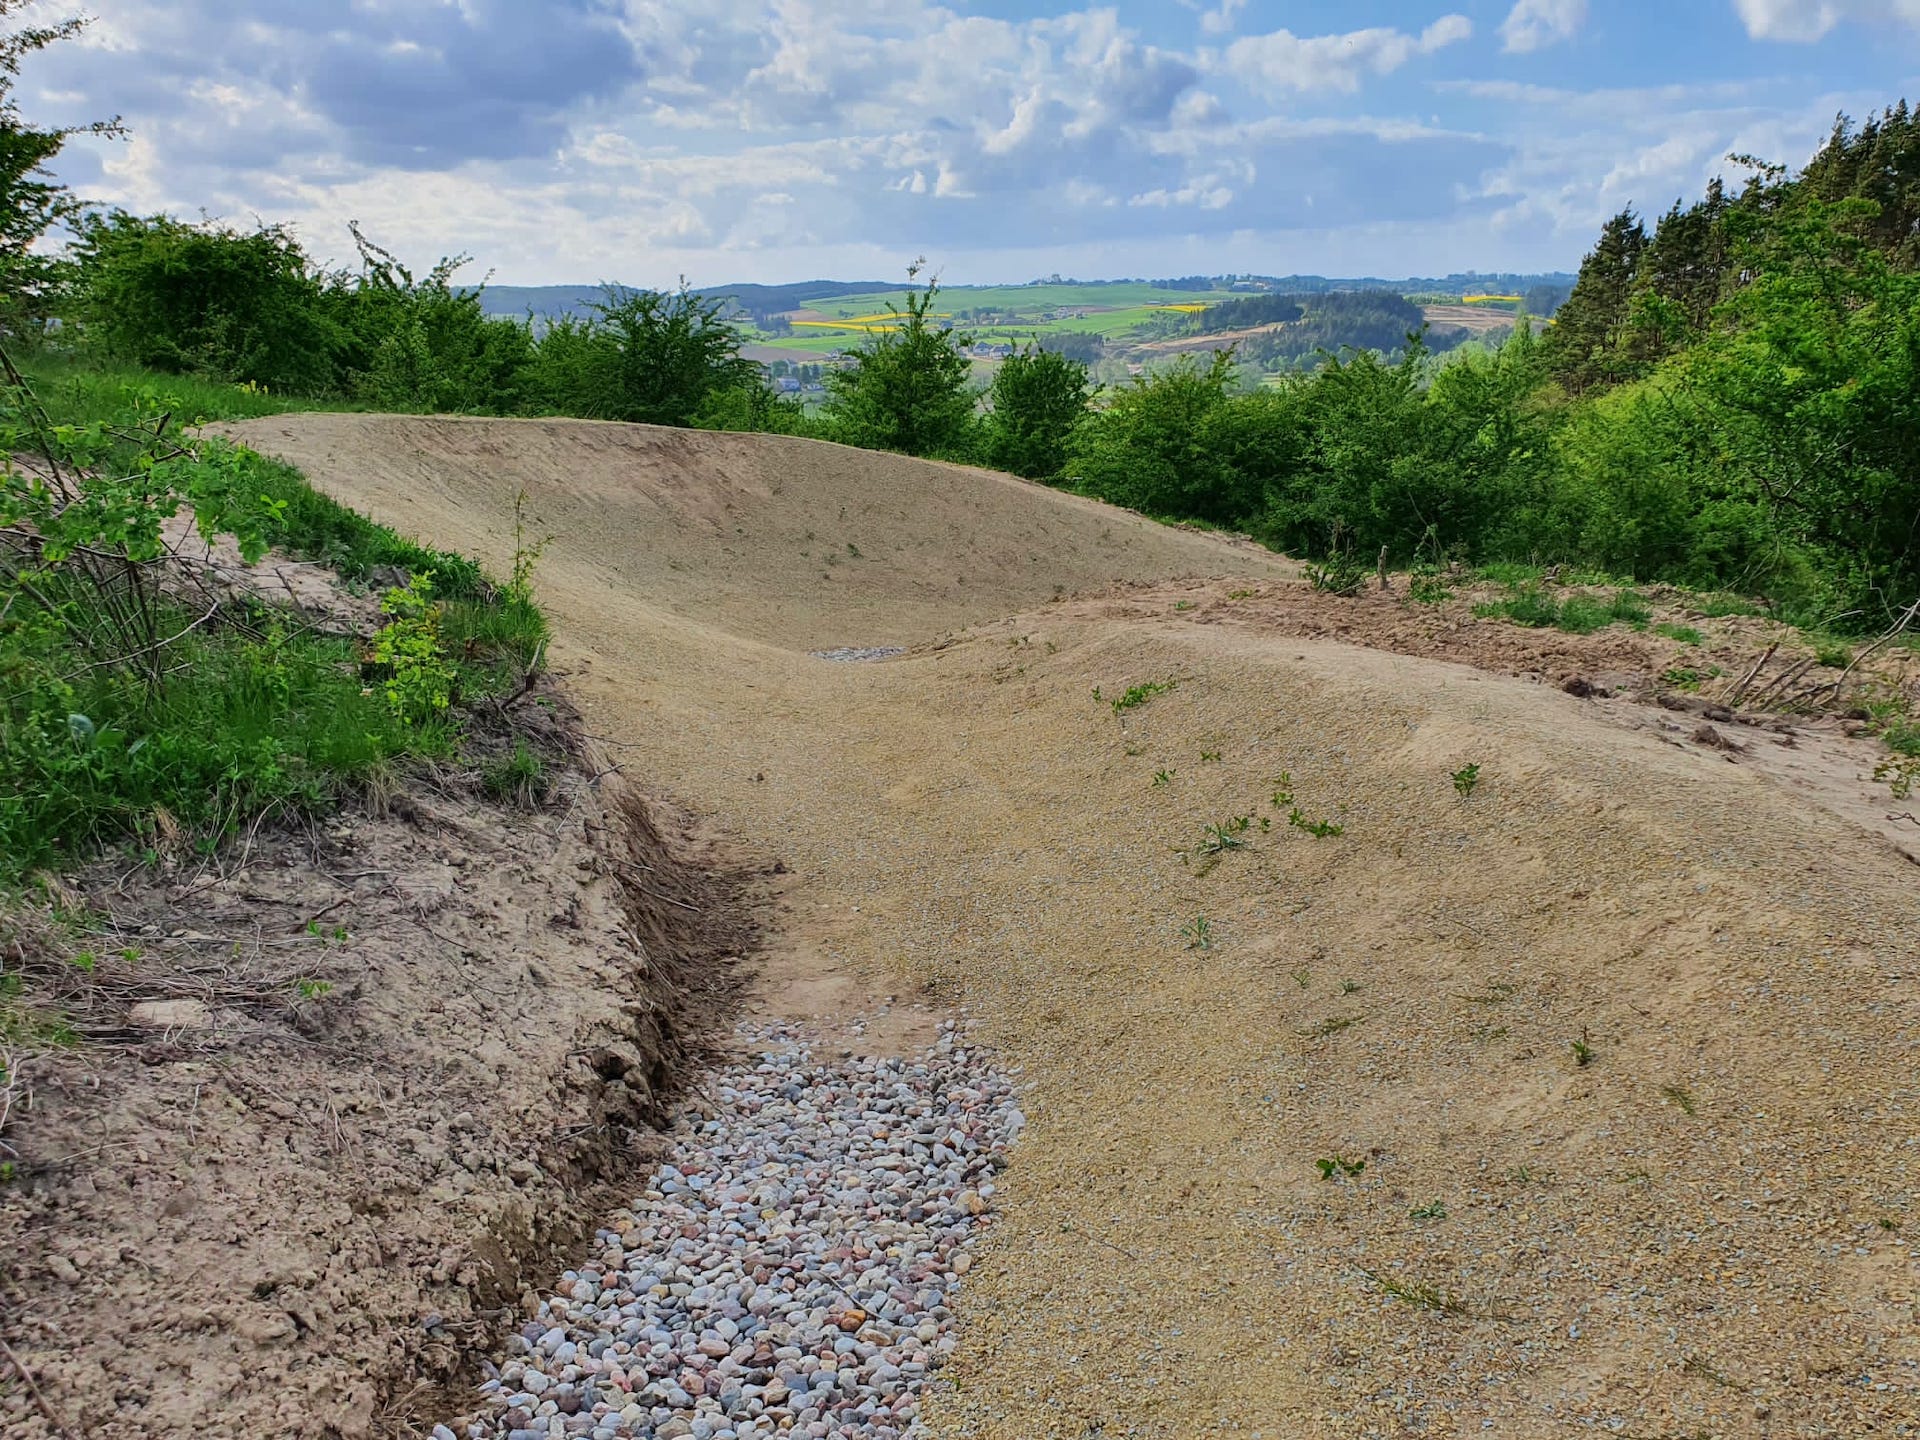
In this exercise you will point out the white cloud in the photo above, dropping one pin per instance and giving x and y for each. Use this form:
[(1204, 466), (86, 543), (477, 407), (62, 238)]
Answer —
[(1282, 60), (1810, 20), (1535, 24)]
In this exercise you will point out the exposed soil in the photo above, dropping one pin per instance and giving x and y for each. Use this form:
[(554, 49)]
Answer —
[(1609, 1060), (343, 1100)]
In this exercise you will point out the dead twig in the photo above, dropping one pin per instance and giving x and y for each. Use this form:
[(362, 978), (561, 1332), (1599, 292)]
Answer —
[(1733, 695), (39, 1397)]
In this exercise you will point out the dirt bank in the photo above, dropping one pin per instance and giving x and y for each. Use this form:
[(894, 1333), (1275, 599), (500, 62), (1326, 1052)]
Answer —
[(344, 1097), (1608, 1061)]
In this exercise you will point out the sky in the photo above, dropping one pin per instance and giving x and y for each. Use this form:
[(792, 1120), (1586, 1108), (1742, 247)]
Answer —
[(569, 141)]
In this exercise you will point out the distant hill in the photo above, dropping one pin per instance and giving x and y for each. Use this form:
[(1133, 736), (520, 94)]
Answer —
[(549, 301)]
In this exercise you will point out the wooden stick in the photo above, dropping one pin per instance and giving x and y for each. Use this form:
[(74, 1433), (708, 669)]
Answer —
[(33, 1389), (1733, 697)]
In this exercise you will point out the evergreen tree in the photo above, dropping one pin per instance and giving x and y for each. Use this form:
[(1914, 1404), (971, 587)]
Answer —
[(1583, 347), (907, 389)]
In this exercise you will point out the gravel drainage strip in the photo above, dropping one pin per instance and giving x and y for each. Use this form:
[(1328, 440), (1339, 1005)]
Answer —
[(791, 1272)]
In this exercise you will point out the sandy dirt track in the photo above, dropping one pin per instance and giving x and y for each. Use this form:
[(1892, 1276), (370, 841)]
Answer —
[(1702, 1229)]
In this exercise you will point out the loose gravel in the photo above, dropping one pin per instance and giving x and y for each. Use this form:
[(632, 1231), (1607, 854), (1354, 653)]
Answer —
[(789, 1273)]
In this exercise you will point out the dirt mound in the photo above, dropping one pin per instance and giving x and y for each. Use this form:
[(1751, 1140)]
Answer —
[(1360, 1105), (792, 542)]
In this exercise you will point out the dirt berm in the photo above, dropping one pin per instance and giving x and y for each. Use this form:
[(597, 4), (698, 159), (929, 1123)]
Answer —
[(1585, 1100)]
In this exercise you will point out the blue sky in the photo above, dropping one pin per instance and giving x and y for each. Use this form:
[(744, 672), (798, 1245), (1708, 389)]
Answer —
[(771, 140)]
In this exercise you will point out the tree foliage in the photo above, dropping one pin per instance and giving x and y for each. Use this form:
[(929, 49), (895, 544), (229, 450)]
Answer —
[(908, 387), (1039, 398)]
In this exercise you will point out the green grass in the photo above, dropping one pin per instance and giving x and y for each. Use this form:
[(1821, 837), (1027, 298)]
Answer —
[(76, 391), (254, 715), (245, 725), (1685, 634), (1577, 614)]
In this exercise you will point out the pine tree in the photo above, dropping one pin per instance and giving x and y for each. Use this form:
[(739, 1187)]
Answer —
[(1583, 348)]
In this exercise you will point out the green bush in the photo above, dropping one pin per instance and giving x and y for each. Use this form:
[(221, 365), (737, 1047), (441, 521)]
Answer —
[(1039, 398), (908, 388)]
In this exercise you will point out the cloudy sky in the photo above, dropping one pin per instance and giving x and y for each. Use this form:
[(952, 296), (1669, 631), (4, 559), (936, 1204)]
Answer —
[(771, 140)]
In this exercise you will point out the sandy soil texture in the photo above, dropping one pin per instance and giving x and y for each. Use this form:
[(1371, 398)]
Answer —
[(1582, 1100)]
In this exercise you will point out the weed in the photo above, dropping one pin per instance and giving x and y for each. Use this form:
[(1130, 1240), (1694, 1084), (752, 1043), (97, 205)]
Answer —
[(1699, 1365), (1685, 634), (1333, 1165), (516, 779), (1889, 1224), (1465, 779), (1350, 987), (419, 676), (1432, 1210), (313, 989), (1681, 677), (1526, 607), (1719, 606), (526, 555), (854, 551), (1428, 590), (1679, 1097), (1421, 1296), (1319, 829), (1522, 1175), (1332, 1025), (1283, 790), (1138, 695), (1582, 1051), (1209, 757), (1577, 614), (1240, 594), (1198, 933), (1498, 993), (1344, 574), (1303, 978), (1834, 657), (1163, 777), (1180, 605), (1219, 838), (1901, 777)]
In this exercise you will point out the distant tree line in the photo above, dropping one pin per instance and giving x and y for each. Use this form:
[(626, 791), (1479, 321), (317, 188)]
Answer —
[(1729, 398)]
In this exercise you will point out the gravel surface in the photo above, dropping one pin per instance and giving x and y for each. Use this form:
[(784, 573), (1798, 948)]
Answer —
[(854, 654), (789, 1272)]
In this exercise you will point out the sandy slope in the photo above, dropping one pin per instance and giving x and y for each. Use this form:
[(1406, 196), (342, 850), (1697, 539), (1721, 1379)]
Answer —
[(1687, 1235)]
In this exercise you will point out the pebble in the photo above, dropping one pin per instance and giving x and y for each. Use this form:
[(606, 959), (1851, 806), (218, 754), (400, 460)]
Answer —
[(789, 1271)]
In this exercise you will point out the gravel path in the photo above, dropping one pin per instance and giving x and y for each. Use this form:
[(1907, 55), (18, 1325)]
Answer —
[(789, 1272)]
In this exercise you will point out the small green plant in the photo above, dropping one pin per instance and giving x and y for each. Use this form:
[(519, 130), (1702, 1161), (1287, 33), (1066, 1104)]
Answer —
[(1138, 695), (1420, 1295), (1338, 1165), (1428, 589), (1432, 1210), (1582, 1051), (1343, 574), (420, 678), (1679, 1097), (1198, 933), (526, 555), (1834, 656), (1889, 1224), (1209, 757), (1240, 594), (516, 779), (1350, 987), (1162, 778), (1466, 779), (1303, 978), (1226, 835), (1319, 829), (1685, 634), (1180, 605), (1681, 677), (313, 989), (1332, 1025), (1899, 776)]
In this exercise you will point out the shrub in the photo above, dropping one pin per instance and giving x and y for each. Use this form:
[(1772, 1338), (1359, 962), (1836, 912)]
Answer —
[(1039, 399), (907, 389)]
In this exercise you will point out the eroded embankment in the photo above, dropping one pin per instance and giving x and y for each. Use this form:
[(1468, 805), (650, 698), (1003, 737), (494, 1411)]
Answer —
[(237, 1216)]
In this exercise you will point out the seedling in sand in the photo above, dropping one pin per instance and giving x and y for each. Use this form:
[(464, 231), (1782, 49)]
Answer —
[(1240, 594), (1432, 1210), (1198, 933), (1283, 790), (1162, 778), (1209, 757), (1421, 1296), (1582, 1052), (1679, 1097), (313, 989), (1138, 695), (1334, 1165), (1332, 1025), (1465, 779), (1319, 829), (1303, 978), (1348, 987), (1225, 836)]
